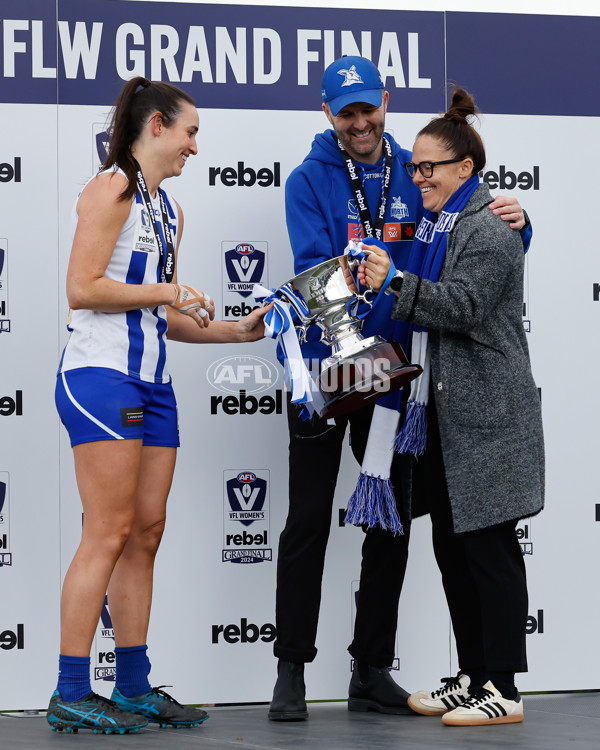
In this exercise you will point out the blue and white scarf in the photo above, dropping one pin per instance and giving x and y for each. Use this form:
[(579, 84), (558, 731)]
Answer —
[(426, 260), (373, 501)]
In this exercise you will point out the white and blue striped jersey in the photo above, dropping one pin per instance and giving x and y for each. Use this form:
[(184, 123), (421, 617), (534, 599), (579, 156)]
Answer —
[(132, 342)]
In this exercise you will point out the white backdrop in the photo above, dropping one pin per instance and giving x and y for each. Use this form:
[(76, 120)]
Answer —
[(212, 623)]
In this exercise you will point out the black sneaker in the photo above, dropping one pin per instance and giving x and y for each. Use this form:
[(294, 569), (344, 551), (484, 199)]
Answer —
[(91, 712), (160, 708)]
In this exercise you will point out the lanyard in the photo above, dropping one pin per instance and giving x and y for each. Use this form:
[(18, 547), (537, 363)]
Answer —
[(356, 186), (167, 255)]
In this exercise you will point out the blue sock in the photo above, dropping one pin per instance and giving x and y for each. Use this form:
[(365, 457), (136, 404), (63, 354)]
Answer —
[(73, 677), (133, 668)]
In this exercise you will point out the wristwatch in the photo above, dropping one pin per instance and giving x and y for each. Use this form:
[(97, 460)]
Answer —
[(396, 283)]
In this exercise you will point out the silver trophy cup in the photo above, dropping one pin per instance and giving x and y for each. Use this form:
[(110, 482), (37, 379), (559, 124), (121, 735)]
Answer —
[(359, 370)]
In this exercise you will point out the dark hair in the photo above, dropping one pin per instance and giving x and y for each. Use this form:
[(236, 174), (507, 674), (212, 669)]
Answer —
[(455, 132), (129, 115)]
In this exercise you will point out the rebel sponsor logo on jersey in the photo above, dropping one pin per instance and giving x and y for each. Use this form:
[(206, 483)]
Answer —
[(246, 517), (12, 405), (236, 372), (4, 320), (105, 667), (244, 176), (10, 171), (13, 638), (245, 632), (508, 179), (535, 623), (524, 537), (6, 557)]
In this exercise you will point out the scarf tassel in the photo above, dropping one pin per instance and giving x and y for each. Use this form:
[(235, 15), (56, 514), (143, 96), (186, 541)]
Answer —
[(373, 504), (412, 438)]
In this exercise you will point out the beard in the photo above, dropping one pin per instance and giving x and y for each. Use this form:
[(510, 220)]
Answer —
[(363, 148)]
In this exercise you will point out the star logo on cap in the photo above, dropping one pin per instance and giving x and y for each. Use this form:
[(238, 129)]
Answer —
[(350, 76)]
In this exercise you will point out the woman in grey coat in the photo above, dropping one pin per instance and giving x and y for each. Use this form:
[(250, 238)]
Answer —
[(483, 465)]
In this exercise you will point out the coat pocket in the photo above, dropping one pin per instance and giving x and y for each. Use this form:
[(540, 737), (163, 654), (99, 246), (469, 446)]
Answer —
[(483, 385)]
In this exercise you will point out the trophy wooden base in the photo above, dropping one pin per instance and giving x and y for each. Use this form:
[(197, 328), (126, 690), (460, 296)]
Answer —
[(358, 381)]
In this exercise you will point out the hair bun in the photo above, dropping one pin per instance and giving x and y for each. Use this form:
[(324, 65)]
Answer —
[(454, 130), (461, 107)]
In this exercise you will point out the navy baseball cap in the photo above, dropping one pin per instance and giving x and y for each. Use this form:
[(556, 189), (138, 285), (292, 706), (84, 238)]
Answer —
[(351, 79)]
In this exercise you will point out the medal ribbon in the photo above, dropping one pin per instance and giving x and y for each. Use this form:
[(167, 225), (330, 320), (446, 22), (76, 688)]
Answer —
[(167, 254)]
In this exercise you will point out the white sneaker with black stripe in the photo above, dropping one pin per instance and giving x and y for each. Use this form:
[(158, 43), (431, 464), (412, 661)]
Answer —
[(486, 705), (454, 693)]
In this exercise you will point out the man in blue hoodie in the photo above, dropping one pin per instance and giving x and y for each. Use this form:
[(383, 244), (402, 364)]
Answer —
[(352, 184)]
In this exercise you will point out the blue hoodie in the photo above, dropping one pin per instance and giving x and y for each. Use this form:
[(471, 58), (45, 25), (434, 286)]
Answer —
[(322, 217)]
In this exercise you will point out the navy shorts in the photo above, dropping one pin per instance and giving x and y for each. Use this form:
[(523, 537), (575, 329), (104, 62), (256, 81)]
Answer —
[(97, 403)]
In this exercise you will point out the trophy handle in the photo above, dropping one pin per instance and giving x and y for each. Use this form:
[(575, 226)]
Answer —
[(363, 297), (353, 262), (302, 330)]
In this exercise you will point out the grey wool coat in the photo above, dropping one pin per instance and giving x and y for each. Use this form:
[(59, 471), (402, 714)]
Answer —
[(487, 403)]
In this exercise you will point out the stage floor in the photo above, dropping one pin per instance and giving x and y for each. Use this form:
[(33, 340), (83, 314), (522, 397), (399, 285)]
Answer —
[(569, 721)]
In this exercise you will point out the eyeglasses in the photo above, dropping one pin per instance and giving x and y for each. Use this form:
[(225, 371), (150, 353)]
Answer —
[(426, 167)]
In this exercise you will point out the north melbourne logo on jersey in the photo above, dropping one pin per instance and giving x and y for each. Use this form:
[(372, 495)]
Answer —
[(244, 266), (350, 76), (398, 210)]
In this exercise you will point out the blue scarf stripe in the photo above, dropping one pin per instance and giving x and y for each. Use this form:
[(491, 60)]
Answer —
[(426, 261)]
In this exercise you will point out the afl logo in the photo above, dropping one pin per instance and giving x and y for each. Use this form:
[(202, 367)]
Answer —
[(246, 476), (235, 373), (244, 248)]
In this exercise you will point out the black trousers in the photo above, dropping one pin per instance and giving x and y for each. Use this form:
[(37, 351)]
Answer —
[(314, 458), (483, 574)]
